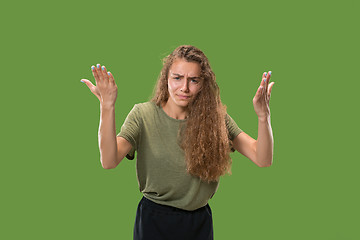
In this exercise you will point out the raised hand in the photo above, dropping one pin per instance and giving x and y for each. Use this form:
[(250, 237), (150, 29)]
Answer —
[(262, 96), (105, 89)]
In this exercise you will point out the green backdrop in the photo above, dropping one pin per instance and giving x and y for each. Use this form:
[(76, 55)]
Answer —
[(52, 182)]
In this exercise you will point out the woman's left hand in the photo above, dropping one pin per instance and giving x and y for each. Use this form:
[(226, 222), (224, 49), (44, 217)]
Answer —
[(262, 96)]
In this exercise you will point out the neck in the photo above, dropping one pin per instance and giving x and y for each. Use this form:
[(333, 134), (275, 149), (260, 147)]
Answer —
[(174, 111)]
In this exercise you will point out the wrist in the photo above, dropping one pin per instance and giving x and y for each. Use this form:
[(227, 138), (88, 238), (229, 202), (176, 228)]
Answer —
[(109, 106), (264, 118)]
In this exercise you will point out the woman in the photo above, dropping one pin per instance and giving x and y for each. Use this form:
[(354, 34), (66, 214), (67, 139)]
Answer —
[(183, 138)]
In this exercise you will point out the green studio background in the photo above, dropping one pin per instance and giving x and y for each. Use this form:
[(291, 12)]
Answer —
[(52, 182)]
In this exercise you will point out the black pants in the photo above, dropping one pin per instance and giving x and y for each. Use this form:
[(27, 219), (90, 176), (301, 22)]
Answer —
[(159, 222)]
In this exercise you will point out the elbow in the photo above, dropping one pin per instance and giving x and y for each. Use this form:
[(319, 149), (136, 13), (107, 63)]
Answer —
[(263, 162), (107, 166), (267, 164)]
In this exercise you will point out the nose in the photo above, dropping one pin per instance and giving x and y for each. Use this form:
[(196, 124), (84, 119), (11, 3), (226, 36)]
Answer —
[(185, 86)]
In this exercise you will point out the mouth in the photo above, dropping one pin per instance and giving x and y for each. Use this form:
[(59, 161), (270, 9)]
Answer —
[(183, 96)]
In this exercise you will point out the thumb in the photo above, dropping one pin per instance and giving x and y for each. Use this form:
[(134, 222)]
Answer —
[(92, 88), (89, 84)]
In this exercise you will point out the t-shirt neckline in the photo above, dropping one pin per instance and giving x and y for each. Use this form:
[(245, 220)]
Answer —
[(173, 119)]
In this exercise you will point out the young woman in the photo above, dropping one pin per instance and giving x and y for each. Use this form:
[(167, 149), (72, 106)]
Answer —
[(183, 138)]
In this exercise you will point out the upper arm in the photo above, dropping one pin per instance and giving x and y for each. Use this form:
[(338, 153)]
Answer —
[(129, 135), (123, 148), (245, 145)]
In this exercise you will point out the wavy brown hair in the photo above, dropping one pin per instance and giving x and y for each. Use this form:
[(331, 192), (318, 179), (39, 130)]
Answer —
[(204, 137)]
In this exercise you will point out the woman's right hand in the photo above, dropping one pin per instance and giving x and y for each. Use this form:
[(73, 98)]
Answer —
[(105, 89)]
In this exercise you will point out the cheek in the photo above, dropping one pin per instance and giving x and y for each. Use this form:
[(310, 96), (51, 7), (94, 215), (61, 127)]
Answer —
[(172, 86), (171, 89), (196, 89)]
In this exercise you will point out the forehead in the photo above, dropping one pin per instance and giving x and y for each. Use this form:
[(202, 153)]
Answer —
[(183, 67)]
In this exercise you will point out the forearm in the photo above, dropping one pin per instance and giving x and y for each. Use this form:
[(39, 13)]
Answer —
[(265, 143), (107, 137)]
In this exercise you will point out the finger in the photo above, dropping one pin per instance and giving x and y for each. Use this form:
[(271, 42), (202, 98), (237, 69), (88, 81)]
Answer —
[(268, 76), (263, 80), (96, 73), (93, 70), (267, 81), (270, 88), (104, 74), (111, 78)]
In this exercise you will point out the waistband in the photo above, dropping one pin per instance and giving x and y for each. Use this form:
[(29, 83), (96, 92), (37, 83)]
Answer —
[(167, 208)]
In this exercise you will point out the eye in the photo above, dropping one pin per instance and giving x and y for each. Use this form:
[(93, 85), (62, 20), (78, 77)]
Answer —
[(177, 78), (194, 81)]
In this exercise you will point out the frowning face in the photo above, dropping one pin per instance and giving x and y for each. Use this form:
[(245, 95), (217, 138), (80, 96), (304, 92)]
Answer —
[(184, 82)]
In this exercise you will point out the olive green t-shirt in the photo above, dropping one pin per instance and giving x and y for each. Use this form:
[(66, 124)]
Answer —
[(160, 165)]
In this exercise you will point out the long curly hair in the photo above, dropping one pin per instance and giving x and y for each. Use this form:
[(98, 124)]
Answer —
[(204, 136)]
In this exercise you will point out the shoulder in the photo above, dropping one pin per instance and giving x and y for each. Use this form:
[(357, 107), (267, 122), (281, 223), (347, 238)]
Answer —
[(145, 107), (228, 120), (145, 110), (232, 127)]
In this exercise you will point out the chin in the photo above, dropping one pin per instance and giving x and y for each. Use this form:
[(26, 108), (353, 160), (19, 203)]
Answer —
[(182, 103)]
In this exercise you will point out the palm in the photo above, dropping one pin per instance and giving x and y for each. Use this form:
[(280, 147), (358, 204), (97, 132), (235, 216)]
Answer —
[(262, 96)]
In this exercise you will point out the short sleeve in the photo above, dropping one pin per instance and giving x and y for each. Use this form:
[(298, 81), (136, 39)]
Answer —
[(232, 127), (131, 129)]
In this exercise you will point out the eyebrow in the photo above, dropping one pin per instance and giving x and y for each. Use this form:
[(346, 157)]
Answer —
[(183, 75)]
